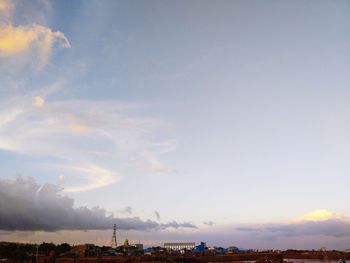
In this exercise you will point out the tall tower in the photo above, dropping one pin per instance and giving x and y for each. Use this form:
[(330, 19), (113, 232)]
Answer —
[(114, 237)]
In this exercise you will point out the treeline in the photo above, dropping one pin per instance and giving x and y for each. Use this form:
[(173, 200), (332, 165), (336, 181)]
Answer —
[(18, 251), (314, 254)]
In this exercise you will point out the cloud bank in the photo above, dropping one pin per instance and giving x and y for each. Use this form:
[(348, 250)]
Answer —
[(319, 222), (27, 206)]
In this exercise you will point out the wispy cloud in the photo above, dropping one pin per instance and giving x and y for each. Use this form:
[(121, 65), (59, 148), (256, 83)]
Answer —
[(209, 223), (157, 215), (92, 140), (96, 175), (27, 206), (126, 210)]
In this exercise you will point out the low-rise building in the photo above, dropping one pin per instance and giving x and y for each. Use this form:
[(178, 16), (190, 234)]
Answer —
[(179, 246), (139, 247), (85, 250), (149, 251), (200, 248), (232, 250)]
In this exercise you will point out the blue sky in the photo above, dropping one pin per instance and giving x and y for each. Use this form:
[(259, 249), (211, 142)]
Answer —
[(221, 114)]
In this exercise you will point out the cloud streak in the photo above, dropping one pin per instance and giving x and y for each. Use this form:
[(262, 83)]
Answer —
[(209, 223), (96, 141), (27, 206), (157, 215), (97, 176)]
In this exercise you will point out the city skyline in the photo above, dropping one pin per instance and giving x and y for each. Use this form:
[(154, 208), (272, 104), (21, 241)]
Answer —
[(217, 121)]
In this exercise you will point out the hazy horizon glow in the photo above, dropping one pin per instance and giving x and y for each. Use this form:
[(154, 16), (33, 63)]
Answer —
[(218, 121)]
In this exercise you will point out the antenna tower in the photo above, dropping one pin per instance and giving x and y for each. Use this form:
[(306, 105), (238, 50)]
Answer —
[(114, 237)]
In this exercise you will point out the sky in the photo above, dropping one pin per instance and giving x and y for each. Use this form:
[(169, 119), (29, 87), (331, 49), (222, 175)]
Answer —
[(219, 121)]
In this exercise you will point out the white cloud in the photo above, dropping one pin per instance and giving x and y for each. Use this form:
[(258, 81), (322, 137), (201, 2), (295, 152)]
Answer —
[(93, 141), (97, 177)]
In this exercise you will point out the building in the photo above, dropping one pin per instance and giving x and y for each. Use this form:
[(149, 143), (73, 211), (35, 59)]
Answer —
[(130, 249), (200, 248), (220, 250), (85, 250), (112, 252), (179, 246), (139, 247), (232, 250)]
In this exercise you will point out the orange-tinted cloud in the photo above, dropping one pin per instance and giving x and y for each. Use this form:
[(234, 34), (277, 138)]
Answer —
[(4, 5), (38, 102), (317, 215), (5, 11), (15, 40), (22, 39)]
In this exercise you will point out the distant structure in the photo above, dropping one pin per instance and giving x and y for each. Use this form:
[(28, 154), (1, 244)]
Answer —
[(114, 237), (131, 249), (200, 248), (126, 243), (139, 247), (179, 246), (232, 250)]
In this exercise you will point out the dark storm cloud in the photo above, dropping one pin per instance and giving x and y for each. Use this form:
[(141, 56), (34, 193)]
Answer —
[(27, 206), (332, 227)]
